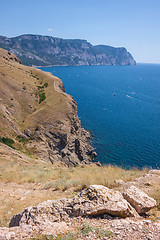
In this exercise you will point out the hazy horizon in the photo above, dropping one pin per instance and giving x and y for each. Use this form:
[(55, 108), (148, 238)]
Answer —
[(133, 25)]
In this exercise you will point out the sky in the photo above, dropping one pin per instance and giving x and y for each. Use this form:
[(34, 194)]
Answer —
[(133, 24)]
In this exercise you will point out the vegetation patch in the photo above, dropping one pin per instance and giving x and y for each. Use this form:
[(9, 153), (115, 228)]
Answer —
[(42, 96), (41, 93), (8, 141), (43, 86), (86, 229), (67, 236)]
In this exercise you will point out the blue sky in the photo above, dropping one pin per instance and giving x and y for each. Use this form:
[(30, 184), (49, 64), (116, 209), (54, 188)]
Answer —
[(131, 24)]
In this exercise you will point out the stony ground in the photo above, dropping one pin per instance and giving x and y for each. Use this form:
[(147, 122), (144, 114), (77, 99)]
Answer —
[(85, 228)]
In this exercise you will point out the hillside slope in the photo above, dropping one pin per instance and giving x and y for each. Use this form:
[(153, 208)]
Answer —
[(38, 115), (45, 50)]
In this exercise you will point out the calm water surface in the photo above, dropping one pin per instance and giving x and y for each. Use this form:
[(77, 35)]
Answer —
[(125, 126)]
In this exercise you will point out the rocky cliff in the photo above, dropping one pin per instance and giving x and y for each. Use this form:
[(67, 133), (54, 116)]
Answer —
[(38, 117), (44, 50)]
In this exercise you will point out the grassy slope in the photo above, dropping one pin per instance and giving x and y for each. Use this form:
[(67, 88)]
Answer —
[(19, 98)]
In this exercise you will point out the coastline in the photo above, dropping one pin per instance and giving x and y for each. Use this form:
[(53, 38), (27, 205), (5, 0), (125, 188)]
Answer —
[(83, 65)]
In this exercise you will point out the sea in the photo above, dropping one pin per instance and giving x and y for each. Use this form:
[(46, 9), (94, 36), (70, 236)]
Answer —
[(120, 106)]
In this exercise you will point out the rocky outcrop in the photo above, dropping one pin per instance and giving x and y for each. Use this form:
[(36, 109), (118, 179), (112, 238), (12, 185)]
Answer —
[(44, 50), (95, 200), (70, 148), (139, 200)]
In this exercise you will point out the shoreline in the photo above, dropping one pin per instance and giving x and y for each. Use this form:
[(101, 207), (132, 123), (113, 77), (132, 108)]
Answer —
[(81, 65)]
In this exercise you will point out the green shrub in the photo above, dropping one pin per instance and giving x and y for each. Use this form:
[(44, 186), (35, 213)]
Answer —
[(8, 141), (100, 233), (68, 236), (86, 229), (40, 92), (42, 96), (43, 86)]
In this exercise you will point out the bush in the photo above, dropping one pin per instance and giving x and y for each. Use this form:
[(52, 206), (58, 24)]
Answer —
[(44, 86), (8, 141), (42, 96), (40, 92)]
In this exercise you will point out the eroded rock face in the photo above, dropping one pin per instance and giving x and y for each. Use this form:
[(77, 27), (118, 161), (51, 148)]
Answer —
[(58, 51), (139, 200), (72, 147), (63, 141)]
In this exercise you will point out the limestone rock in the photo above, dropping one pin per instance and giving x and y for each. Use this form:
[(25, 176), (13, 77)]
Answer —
[(95, 200), (44, 213), (139, 200), (98, 199)]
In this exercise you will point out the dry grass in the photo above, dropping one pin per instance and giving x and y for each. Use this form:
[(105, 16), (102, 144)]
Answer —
[(155, 193), (20, 84), (62, 178)]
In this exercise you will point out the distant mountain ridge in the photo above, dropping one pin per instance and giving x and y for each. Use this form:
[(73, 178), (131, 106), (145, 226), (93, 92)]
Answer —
[(41, 50)]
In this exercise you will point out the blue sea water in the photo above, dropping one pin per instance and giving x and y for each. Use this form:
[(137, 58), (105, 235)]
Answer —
[(125, 126)]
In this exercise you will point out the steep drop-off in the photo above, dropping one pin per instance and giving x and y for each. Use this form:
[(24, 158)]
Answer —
[(45, 50), (39, 116)]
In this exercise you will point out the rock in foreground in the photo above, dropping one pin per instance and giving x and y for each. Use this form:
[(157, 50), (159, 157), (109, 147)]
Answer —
[(139, 200), (95, 200)]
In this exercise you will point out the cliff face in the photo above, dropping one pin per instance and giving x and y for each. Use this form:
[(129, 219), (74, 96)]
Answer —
[(39, 116), (44, 50)]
